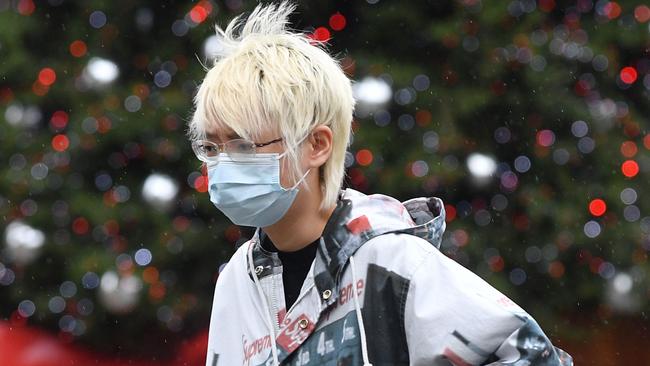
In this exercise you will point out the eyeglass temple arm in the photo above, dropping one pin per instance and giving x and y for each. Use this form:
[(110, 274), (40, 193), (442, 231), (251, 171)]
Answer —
[(262, 144)]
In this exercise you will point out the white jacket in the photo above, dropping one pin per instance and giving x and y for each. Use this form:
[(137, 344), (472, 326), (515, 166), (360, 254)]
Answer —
[(378, 292)]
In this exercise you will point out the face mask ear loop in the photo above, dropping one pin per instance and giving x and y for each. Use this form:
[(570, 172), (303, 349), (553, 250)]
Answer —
[(301, 180)]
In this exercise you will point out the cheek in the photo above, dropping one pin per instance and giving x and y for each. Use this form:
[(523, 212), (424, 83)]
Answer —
[(285, 174)]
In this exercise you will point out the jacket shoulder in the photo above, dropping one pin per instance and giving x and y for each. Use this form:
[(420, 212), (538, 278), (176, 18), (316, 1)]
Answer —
[(398, 252)]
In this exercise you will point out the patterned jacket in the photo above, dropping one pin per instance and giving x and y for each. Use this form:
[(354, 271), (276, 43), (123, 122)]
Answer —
[(378, 292)]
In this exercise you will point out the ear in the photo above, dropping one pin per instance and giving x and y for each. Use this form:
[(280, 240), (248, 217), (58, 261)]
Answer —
[(320, 146)]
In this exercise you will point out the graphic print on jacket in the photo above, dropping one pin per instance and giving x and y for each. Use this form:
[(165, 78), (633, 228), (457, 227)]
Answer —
[(418, 306)]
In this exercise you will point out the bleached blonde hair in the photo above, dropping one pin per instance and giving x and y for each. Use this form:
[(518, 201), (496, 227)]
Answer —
[(269, 78)]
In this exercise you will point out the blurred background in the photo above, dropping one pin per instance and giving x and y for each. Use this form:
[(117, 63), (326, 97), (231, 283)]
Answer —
[(530, 119)]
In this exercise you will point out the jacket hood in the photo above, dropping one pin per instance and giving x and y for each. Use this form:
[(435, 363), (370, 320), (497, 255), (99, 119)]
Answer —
[(359, 218)]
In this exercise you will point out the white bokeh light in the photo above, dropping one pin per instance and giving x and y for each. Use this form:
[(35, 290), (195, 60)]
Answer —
[(620, 293), (119, 294), (371, 90), (23, 242), (481, 166), (100, 72), (159, 190)]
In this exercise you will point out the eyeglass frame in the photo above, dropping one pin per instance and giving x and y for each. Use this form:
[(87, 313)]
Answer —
[(221, 147)]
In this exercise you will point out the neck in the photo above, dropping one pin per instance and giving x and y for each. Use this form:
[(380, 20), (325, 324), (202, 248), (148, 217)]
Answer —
[(302, 224)]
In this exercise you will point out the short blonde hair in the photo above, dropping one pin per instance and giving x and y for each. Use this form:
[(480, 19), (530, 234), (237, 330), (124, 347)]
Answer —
[(267, 78)]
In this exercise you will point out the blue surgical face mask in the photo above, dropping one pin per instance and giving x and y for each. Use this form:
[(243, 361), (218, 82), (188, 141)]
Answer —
[(248, 190)]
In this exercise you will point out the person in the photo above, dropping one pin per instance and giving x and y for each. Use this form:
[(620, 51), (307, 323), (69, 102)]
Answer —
[(330, 276)]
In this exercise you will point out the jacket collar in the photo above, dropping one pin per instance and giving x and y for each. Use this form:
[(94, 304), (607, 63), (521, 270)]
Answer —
[(356, 219)]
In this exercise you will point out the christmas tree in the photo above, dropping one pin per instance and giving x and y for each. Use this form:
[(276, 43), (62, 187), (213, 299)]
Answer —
[(529, 119)]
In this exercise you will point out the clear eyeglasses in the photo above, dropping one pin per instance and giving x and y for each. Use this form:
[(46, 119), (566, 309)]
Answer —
[(236, 149)]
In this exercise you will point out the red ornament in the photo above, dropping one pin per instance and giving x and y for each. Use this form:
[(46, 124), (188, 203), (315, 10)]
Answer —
[(628, 149), (546, 5), (78, 48), (630, 168), (60, 142), (364, 157), (337, 22), (450, 213), (47, 76), (628, 75), (201, 184), (597, 207), (59, 120), (321, 34), (642, 13), (80, 226)]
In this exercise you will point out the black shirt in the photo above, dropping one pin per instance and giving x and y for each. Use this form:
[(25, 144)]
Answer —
[(295, 266)]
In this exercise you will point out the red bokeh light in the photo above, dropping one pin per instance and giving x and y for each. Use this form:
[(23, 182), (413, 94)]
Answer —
[(78, 48), (26, 7), (630, 168), (198, 13), (59, 120), (556, 269), (337, 22), (201, 184), (646, 141), (597, 207), (80, 226), (47, 76), (450, 213), (642, 13), (612, 10), (321, 34), (628, 149), (628, 75), (364, 157), (546, 5), (60, 142), (545, 138)]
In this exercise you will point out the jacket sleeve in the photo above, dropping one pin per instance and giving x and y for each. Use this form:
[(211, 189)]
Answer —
[(453, 316)]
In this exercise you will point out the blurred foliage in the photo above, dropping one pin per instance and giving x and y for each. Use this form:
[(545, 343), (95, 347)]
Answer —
[(507, 79)]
